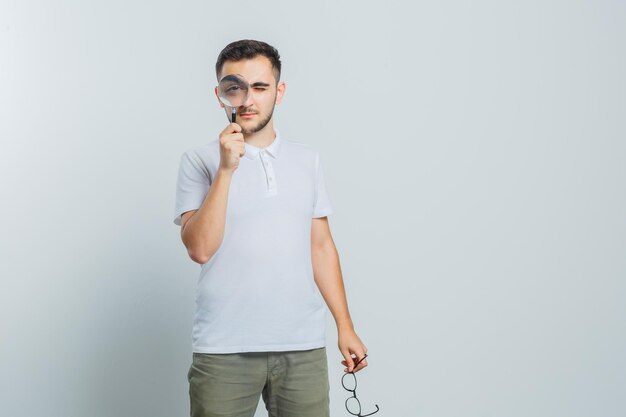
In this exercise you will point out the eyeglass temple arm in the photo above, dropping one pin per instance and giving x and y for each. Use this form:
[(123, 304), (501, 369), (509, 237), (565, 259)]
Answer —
[(364, 356)]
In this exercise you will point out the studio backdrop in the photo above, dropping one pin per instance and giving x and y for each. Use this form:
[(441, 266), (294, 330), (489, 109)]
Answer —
[(473, 152)]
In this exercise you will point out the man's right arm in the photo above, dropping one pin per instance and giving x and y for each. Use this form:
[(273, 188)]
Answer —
[(202, 230)]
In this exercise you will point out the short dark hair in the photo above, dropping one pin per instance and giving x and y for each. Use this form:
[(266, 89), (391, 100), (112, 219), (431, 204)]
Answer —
[(248, 49)]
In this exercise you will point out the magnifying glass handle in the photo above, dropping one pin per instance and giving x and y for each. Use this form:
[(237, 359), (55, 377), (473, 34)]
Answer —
[(234, 115)]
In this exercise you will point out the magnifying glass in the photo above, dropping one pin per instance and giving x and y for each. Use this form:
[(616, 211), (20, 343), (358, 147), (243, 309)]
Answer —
[(232, 91)]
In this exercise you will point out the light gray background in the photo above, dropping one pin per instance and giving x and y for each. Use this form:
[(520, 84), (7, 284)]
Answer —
[(474, 153)]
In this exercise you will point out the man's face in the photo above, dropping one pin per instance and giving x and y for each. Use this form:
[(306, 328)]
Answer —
[(263, 95)]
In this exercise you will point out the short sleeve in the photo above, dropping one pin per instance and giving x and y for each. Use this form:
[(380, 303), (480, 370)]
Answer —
[(192, 186), (322, 206)]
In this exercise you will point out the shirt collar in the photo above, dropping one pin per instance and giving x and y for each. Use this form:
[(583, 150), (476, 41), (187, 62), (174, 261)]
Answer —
[(252, 152)]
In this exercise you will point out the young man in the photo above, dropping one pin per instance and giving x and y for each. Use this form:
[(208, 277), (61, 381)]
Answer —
[(253, 210)]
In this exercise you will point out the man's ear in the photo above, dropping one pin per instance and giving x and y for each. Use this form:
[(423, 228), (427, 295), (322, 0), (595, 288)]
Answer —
[(218, 98), (280, 90)]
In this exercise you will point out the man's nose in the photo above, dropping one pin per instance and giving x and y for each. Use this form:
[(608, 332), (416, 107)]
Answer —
[(249, 101)]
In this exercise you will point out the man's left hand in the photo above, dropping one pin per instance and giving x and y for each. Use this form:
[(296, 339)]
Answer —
[(349, 344)]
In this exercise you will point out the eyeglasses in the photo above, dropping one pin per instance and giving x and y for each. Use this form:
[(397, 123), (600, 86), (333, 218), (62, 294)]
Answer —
[(353, 405)]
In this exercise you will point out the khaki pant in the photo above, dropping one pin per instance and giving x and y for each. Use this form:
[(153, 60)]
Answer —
[(293, 383)]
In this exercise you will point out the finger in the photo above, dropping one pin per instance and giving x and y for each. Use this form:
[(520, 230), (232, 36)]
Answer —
[(361, 365), (360, 360), (349, 360), (237, 137), (230, 129)]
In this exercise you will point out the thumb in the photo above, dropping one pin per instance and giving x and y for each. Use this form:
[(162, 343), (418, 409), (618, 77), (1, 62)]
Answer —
[(349, 361)]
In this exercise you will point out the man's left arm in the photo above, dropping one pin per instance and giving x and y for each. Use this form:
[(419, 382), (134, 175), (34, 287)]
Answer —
[(329, 280)]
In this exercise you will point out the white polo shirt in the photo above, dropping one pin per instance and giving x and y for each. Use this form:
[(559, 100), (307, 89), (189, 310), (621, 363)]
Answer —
[(257, 293)]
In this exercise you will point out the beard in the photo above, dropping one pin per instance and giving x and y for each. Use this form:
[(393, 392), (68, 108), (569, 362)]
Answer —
[(260, 125), (263, 121)]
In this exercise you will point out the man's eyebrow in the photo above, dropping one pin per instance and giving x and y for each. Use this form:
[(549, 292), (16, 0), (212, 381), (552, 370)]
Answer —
[(260, 84)]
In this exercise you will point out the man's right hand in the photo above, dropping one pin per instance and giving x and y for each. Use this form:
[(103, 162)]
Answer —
[(232, 147)]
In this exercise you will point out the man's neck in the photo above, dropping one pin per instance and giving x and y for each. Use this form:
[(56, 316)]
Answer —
[(263, 138)]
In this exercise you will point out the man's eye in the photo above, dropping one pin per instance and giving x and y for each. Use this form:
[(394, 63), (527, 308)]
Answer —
[(260, 88)]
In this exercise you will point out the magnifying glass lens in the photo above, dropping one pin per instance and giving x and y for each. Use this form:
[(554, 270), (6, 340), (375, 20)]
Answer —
[(233, 90)]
